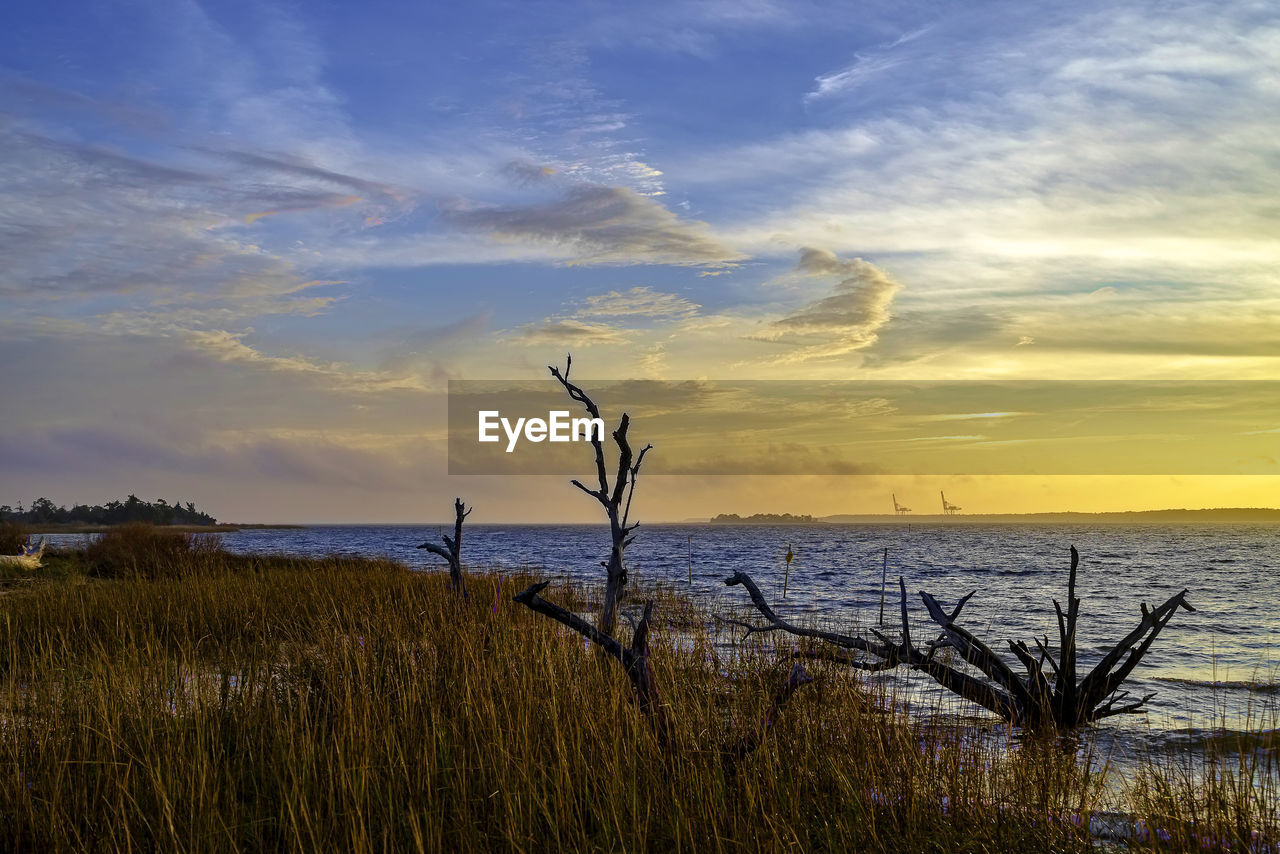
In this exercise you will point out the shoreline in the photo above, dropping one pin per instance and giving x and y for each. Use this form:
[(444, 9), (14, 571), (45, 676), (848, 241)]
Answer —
[(1208, 515), (181, 529)]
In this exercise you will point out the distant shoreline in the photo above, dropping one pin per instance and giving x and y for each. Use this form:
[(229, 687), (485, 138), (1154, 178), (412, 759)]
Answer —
[(1215, 514), (185, 529)]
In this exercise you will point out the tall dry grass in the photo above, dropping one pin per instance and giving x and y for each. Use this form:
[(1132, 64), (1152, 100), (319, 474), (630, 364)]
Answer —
[(1215, 786), (138, 550), (12, 537), (282, 704)]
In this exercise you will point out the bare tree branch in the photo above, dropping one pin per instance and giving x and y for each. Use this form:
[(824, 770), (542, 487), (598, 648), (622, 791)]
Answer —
[(747, 745), (1031, 701), (610, 497), (452, 552), (633, 658)]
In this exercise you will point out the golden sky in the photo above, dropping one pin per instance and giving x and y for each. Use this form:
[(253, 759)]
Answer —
[(246, 248)]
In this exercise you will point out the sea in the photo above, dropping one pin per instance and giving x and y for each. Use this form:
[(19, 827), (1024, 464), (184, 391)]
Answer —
[(1215, 672)]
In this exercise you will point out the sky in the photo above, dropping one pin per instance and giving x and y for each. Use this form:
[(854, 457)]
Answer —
[(246, 245)]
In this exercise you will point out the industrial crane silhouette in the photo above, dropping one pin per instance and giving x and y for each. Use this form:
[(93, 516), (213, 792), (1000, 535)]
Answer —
[(948, 508), (898, 509)]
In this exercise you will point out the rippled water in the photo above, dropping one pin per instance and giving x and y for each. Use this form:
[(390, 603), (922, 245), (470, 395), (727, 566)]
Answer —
[(1223, 658)]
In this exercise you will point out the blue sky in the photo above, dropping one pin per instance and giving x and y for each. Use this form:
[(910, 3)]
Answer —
[(247, 243)]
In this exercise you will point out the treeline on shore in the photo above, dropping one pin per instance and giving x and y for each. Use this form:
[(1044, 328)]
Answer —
[(761, 519), (133, 509)]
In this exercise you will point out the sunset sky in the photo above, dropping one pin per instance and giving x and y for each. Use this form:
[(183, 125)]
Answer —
[(246, 245)]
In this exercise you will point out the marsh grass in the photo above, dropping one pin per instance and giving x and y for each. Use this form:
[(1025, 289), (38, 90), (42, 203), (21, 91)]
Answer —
[(250, 703), (137, 550), (12, 537), (1216, 786)]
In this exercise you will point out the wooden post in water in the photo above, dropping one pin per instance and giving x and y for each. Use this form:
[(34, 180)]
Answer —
[(884, 572), (786, 575), (690, 560)]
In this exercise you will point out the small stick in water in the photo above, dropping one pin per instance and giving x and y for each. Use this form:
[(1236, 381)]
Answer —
[(884, 571), (786, 576), (691, 560)]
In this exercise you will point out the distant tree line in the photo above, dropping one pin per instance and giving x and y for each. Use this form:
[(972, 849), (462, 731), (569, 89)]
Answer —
[(761, 519), (133, 509)]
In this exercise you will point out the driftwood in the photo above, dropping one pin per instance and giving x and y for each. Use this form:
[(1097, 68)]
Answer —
[(615, 500), (1034, 701), (452, 551), (634, 657), (29, 558), (748, 743)]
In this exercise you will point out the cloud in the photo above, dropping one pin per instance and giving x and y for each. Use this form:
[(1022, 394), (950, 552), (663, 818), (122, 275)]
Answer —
[(1104, 143), (781, 458), (527, 173), (596, 320), (603, 225), (200, 408), (298, 167), (637, 302), (863, 70), (431, 347), (568, 332), (229, 347), (83, 221), (848, 319), (127, 452), (860, 300)]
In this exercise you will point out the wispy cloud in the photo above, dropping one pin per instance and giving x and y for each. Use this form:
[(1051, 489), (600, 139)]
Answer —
[(80, 220), (602, 225), (569, 332), (637, 302)]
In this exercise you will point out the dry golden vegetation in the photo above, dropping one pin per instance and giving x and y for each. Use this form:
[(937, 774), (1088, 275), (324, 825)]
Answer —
[(169, 696), (12, 537)]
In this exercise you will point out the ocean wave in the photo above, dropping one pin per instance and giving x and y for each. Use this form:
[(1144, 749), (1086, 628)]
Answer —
[(1223, 685), (1230, 740)]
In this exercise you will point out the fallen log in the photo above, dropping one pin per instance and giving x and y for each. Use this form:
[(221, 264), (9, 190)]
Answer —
[(1032, 701), (634, 657)]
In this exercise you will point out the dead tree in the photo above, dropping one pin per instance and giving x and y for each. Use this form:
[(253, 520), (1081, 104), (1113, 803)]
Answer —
[(452, 551), (1033, 701), (634, 657), (615, 499)]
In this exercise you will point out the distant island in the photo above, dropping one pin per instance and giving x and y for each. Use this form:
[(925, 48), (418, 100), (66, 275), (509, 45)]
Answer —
[(133, 509), (763, 519), (45, 517)]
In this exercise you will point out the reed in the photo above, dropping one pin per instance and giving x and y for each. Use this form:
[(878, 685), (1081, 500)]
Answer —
[(274, 703), (1215, 786), (12, 537)]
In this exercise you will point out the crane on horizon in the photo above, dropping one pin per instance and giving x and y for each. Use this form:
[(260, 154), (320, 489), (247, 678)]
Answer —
[(948, 508), (898, 509)]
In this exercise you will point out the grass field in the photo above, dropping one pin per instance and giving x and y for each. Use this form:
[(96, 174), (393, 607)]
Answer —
[(190, 700)]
